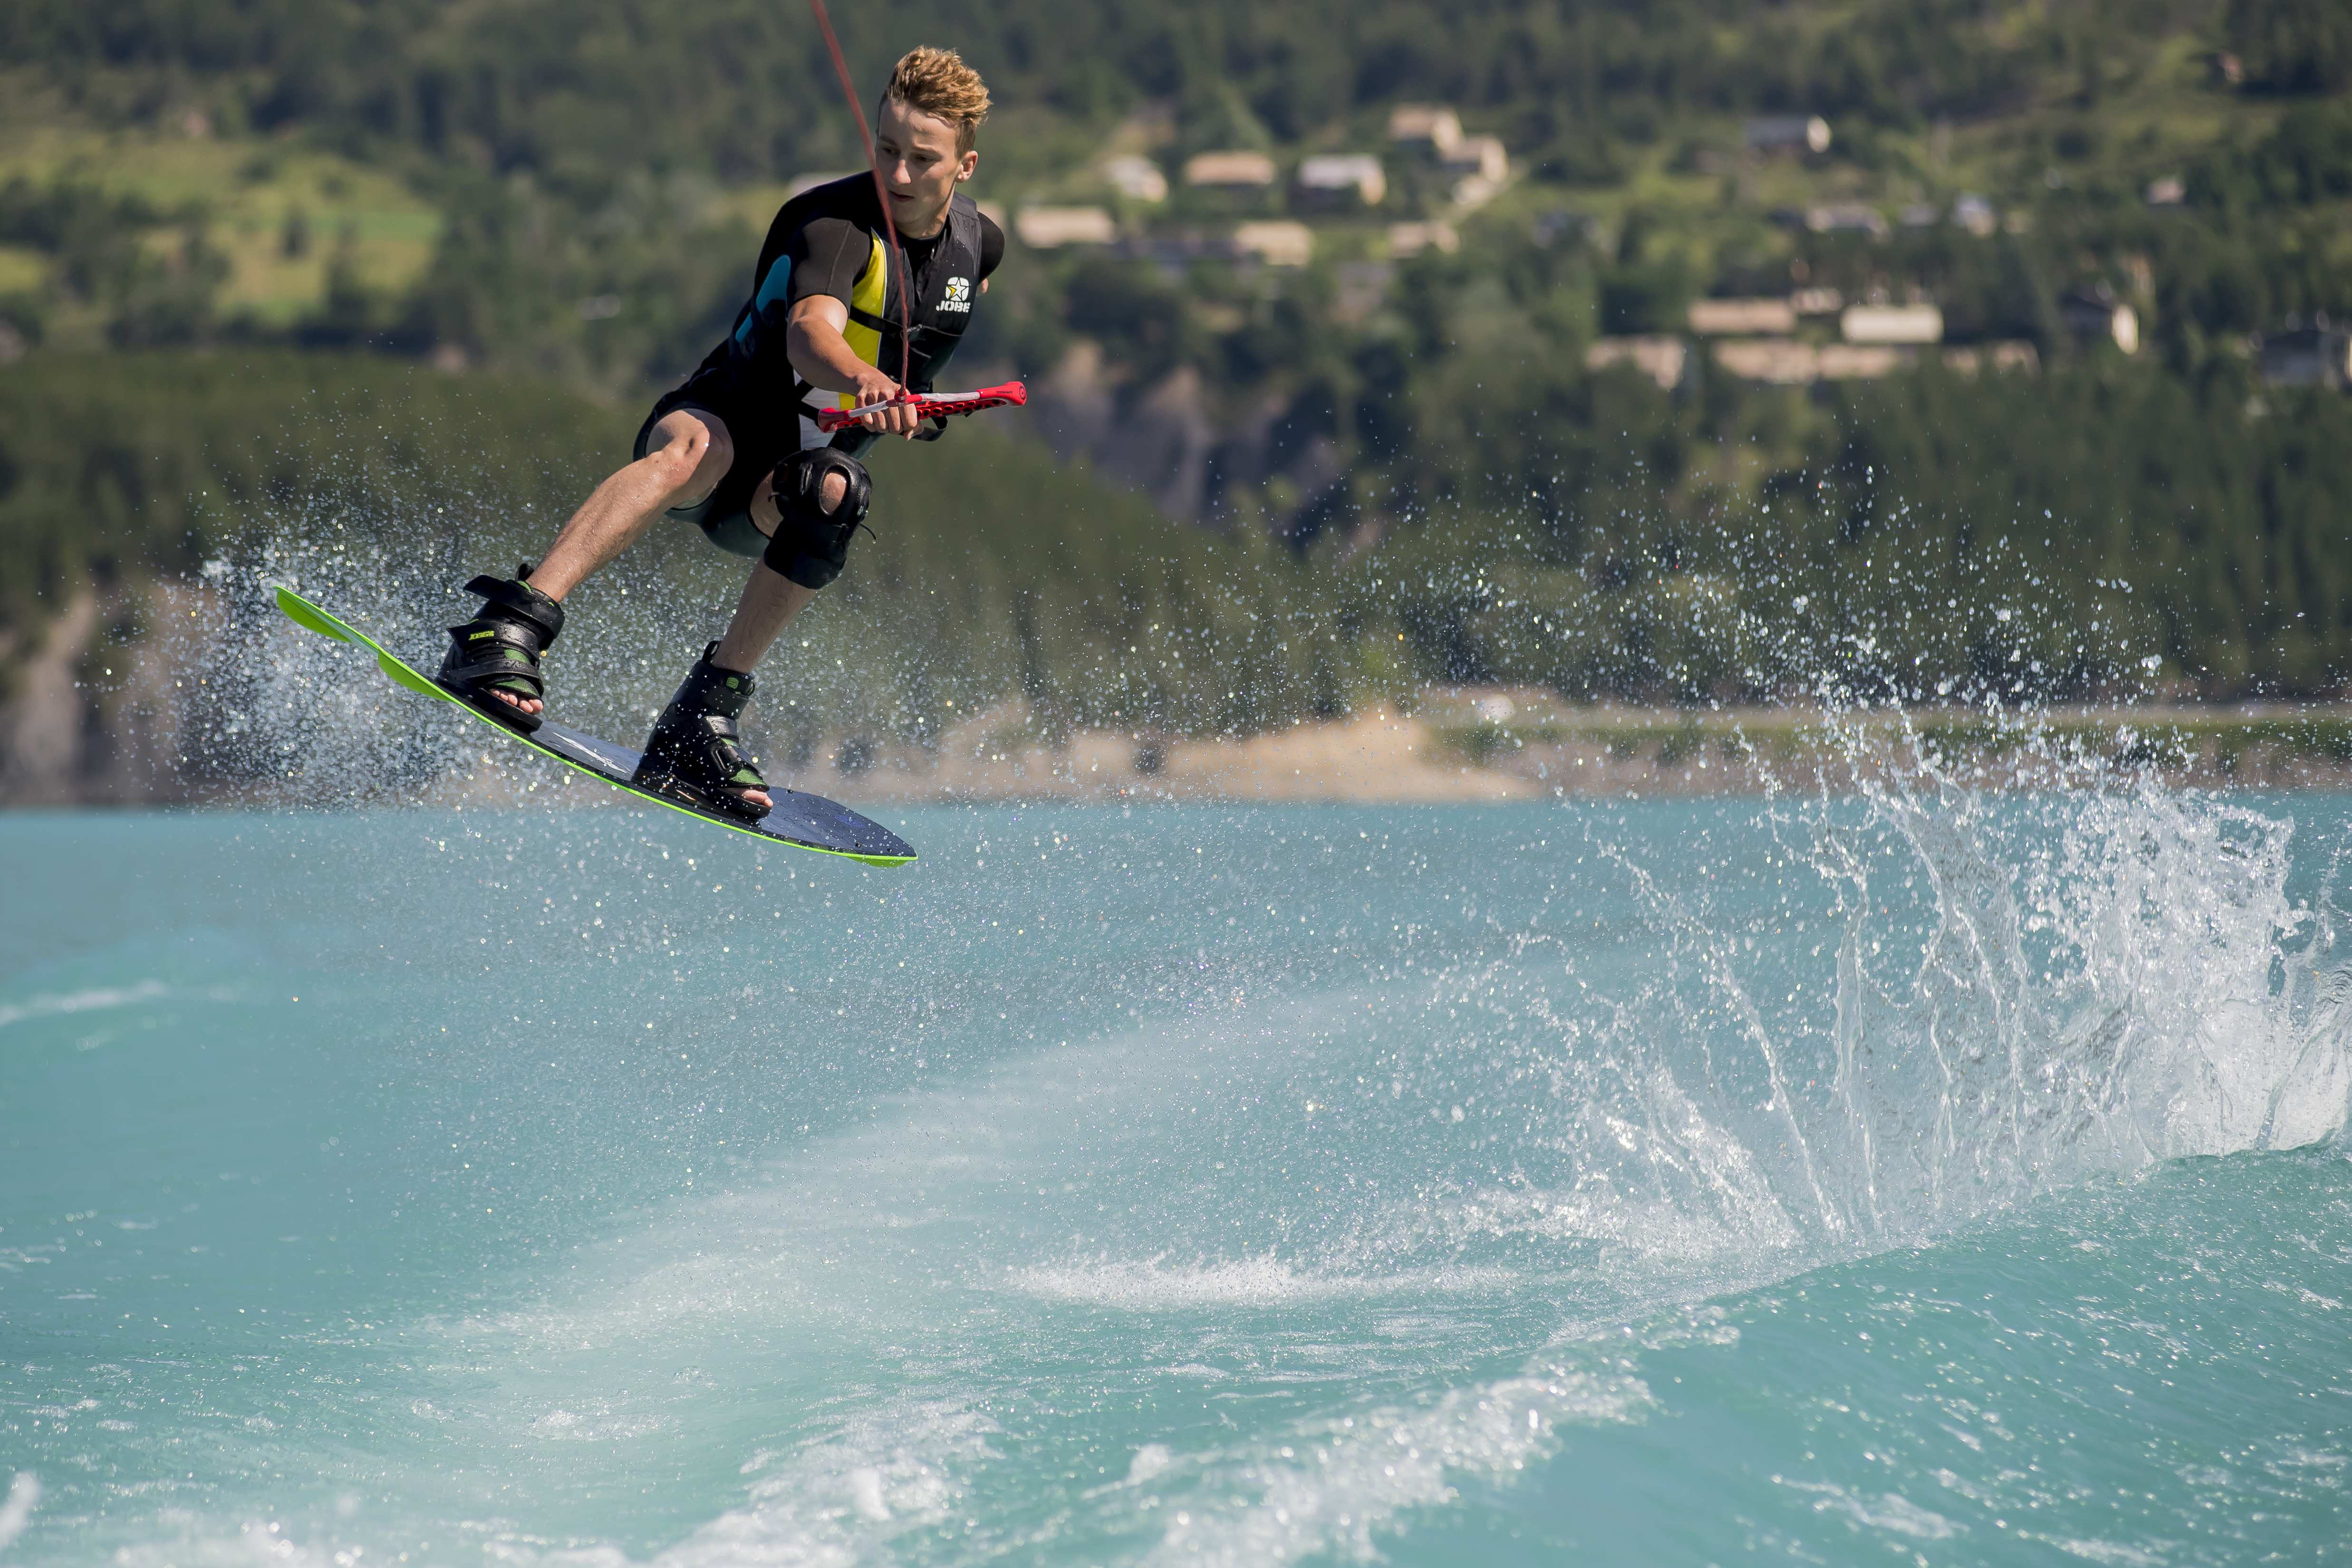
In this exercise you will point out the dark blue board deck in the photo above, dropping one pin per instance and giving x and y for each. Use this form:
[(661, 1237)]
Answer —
[(803, 822)]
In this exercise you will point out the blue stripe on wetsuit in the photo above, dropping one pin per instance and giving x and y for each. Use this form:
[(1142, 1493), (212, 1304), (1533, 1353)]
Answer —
[(769, 297)]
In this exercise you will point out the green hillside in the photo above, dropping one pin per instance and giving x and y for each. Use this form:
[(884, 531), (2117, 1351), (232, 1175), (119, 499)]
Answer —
[(990, 572), (575, 194)]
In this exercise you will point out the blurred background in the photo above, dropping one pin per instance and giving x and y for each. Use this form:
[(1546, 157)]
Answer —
[(1547, 373)]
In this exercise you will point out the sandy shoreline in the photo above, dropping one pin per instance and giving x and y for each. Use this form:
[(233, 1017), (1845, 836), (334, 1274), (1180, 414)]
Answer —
[(1384, 758), (1440, 746)]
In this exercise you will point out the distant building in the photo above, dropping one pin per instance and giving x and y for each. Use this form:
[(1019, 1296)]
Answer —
[(2004, 358), (1816, 301), (1780, 361), (1846, 217), (2168, 192), (1974, 214), (1411, 239), (2096, 314), (1789, 133), (1858, 361), (1281, 243), (1344, 177), (1891, 324), (1480, 157), (1430, 125), (2317, 356), (1474, 191), (1045, 229), (1776, 361), (1229, 170), (1136, 179), (1742, 317), (1663, 359)]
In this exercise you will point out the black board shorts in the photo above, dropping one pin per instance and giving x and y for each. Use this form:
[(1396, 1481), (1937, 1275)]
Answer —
[(763, 439)]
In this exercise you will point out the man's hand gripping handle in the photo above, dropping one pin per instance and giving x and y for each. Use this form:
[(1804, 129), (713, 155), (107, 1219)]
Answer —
[(1011, 394)]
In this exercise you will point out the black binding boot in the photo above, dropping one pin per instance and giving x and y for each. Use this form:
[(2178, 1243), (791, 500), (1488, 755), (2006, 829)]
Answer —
[(499, 650), (695, 753)]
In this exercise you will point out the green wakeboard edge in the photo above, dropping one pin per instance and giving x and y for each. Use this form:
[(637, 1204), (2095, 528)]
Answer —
[(312, 618)]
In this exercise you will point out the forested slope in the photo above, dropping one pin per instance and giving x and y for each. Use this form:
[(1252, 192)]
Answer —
[(574, 193)]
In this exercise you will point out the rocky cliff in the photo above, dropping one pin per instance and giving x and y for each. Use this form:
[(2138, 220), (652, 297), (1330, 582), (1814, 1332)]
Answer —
[(109, 708)]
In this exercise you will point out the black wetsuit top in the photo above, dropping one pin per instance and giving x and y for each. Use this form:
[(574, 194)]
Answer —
[(827, 240), (830, 240)]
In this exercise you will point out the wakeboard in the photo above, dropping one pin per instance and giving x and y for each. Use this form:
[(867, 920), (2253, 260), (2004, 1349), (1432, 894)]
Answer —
[(803, 822)]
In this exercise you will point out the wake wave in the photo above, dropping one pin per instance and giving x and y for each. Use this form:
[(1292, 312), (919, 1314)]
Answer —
[(1951, 1002)]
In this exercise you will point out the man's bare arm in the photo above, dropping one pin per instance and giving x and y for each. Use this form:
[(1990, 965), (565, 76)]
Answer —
[(813, 343)]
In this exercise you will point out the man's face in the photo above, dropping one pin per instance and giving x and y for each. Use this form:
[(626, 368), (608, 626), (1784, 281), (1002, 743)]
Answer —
[(916, 155)]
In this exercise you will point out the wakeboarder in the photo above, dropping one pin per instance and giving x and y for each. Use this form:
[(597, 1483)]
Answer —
[(737, 450)]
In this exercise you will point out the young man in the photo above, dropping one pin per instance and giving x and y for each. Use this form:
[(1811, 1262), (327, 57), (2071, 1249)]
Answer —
[(737, 451)]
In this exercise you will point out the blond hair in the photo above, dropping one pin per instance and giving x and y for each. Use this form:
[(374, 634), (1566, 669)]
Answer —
[(937, 81)]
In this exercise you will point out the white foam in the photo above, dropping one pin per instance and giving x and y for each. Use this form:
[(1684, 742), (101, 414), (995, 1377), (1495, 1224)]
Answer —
[(597, 1425), (257, 1543), (888, 1473), (2029, 991), (2106, 1551), (1739, 1219), (24, 1496), (865, 1495), (1888, 1512), (1333, 1486), (1152, 1286), (81, 1003), (2111, 1000)]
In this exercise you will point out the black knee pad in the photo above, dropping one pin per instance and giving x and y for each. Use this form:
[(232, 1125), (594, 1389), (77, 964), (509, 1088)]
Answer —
[(810, 544)]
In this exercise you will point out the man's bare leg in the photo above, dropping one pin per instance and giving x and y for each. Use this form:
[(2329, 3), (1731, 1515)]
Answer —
[(689, 453), (770, 602)]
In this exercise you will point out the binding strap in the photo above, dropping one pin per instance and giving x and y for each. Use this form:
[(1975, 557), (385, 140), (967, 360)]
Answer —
[(516, 596)]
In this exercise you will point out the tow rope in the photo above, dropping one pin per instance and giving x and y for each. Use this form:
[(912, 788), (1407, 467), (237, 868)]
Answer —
[(1011, 394)]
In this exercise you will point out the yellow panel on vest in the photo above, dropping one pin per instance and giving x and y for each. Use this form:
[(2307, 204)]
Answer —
[(870, 294)]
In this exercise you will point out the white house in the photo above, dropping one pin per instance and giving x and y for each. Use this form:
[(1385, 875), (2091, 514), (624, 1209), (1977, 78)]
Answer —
[(1280, 243), (1045, 229), (1742, 317), (1345, 175), (1430, 125), (1136, 179), (1891, 324), (1789, 133), (1230, 171)]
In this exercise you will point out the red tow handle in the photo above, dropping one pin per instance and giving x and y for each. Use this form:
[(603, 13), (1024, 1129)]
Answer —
[(1011, 394)]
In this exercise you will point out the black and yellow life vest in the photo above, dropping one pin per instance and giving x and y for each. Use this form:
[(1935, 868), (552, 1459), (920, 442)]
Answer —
[(940, 315), (938, 318), (752, 366)]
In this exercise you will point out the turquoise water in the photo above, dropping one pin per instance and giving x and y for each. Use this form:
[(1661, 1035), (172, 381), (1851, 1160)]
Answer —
[(1937, 1179)]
